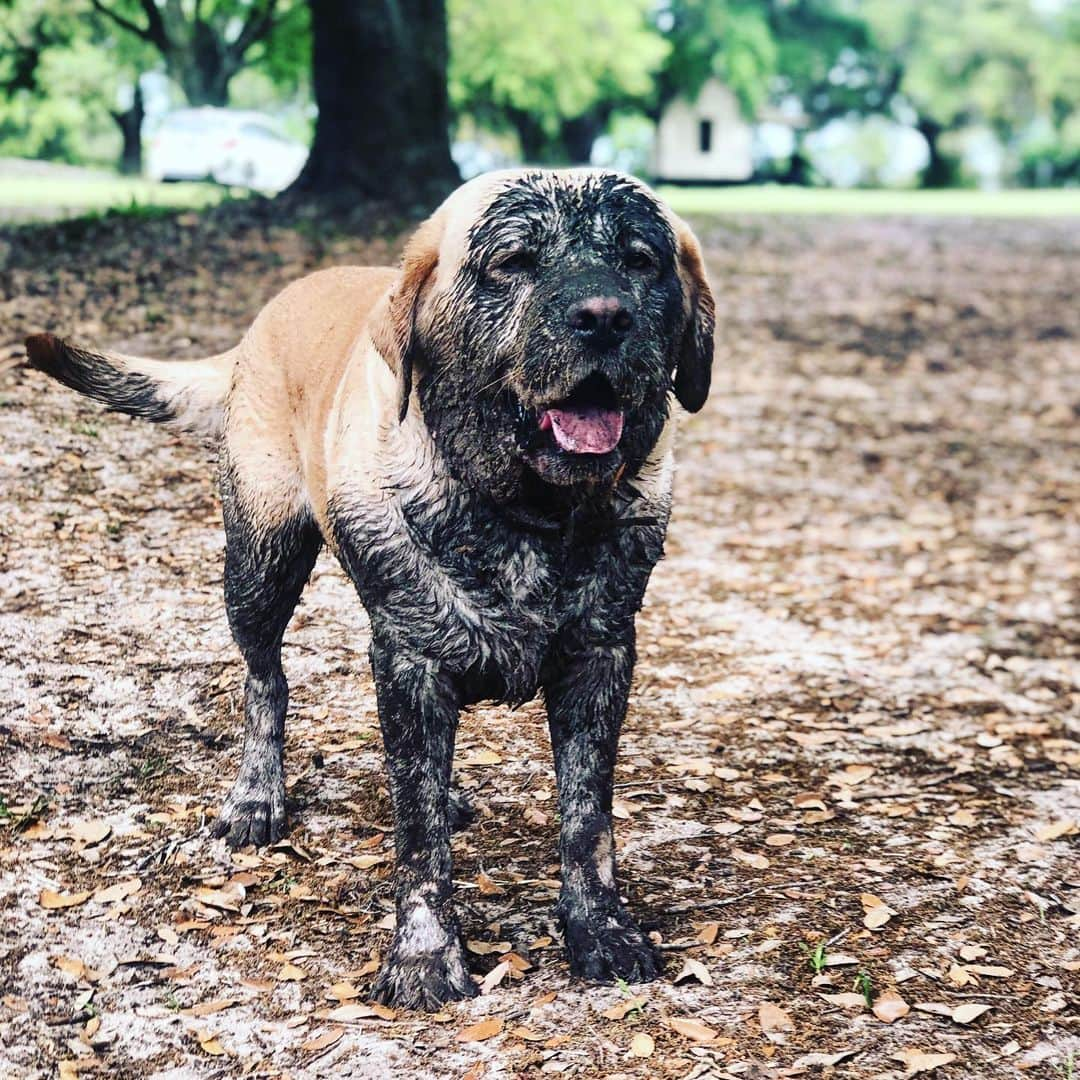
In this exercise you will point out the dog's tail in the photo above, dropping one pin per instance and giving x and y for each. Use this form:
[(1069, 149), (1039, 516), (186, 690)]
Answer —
[(188, 393)]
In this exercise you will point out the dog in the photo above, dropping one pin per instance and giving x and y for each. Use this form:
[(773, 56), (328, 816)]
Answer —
[(483, 437)]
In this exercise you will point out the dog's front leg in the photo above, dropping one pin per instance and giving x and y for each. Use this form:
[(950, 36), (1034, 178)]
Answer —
[(586, 691), (418, 713)]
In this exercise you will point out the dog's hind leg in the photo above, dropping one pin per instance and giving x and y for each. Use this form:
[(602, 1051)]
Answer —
[(268, 558)]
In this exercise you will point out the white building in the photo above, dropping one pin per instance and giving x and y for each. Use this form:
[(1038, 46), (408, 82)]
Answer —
[(703, 141)]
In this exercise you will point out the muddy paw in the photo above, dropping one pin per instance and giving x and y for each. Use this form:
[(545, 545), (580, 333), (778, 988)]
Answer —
[(424, 981), (248, 817), (606, 948)]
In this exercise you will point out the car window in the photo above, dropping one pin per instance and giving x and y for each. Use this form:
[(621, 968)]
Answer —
[(263, 132)]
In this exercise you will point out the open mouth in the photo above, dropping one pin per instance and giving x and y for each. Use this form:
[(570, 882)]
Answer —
[(588, 421)]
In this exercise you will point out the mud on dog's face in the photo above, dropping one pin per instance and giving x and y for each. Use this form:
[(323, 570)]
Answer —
[(545, 317)]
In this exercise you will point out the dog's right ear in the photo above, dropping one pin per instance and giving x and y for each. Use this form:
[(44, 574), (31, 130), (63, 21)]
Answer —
[(394, 333)]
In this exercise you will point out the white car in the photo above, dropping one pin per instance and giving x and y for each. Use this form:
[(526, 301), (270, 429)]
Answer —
[(229, 146)]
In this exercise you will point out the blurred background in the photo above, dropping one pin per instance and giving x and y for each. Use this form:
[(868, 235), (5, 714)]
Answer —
[(744, 104)]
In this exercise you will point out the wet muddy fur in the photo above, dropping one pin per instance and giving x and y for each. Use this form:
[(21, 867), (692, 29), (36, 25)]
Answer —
[(493, 565)]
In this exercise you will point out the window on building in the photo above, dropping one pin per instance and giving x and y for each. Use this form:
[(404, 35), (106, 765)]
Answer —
[(704, 136)]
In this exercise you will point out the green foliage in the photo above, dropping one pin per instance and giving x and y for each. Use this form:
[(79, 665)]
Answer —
[(1003, 63), (553, 61)]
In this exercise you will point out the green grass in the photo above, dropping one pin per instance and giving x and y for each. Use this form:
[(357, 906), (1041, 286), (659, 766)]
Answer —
[(776, 199), (26, 197)]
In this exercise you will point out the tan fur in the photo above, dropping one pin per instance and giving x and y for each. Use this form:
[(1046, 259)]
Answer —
[(311, 396)]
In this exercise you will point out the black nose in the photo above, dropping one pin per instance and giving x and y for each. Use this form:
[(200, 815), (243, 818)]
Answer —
[(602, 321)]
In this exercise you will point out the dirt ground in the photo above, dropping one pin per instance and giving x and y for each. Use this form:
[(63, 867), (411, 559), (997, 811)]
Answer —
[(855, 723)]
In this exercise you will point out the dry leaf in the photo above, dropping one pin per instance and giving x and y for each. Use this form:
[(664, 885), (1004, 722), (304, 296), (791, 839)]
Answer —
[(780, 839), (748, 858), (208, 1008), (642, 1045), (1057, 830), (918, 1061), (486, 1029), (342, 991), (481, 757), (70, 966), (290, 973), (485, 948), (773, 1018), (965, 1014), (487, 886), (991, 970), (890, 1007), (88, 833), (621, 1008), (848, 1000), (323, 1041), (694, 969), (52, 900), (494, 977), (209, 1044), (877, 917), (822, 1061), (707, 934), (692, 1029), (120, 891)]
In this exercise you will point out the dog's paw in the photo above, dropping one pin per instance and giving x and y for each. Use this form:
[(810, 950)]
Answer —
[(424, 981), (609, 947), (249, 817), (460, 810)]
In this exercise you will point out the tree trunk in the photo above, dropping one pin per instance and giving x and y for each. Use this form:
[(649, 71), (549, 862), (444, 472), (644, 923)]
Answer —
[(533, 140), (938, 172), (130, 123), (382, 133), (579, 133)]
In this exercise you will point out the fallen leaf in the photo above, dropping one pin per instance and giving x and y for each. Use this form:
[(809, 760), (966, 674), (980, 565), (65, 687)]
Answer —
[(694, 969), (88, 833), (877, 917), (487, 886), (707, 934), (773, 1018), (486, 1029), (323, 1041), (120, 891), (481, 757), (822, 1061), (965, 1014), (890, 1007), (494, 977), (1057, 830), (780, 839), (70, 966), (342, 991), (758, 862), (642, 1045), (485, 948), (692, 1029), (208, 1008), (848, 1000), (209, 1044), (290, 973), (345, 1014), (621, 1008), (991, 970), (51, 900), (918, 1061)]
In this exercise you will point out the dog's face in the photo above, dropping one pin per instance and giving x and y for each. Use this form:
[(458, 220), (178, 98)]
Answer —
[(545, 317)]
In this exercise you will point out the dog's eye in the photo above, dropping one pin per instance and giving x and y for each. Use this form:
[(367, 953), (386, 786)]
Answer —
[(639, 259), (515, 262)]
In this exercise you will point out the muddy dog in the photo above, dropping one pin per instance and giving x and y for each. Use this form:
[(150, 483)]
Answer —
[(483, 437)]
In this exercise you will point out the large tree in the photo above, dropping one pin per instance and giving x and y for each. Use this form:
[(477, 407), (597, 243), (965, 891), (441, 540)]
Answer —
[(551, 72), (1002, 63), (203, 43), (379, 73)]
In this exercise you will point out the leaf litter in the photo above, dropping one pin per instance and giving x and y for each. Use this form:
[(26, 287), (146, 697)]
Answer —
[(854, 721)]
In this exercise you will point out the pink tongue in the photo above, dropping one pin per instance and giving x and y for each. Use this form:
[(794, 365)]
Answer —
[(585, 430)]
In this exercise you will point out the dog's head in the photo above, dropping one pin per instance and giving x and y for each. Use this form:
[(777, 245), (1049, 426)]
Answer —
[(544, 317)]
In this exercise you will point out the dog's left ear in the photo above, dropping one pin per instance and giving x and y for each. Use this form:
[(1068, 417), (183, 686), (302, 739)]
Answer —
[(394, 330), (693, 371)]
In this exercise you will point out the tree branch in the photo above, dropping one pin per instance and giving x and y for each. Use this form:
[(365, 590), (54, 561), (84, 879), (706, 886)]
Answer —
[(154, 31), (260, 22)]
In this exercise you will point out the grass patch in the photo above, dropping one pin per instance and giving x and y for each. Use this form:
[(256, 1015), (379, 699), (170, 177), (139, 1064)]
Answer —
[(28, 197), (782, 199)]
